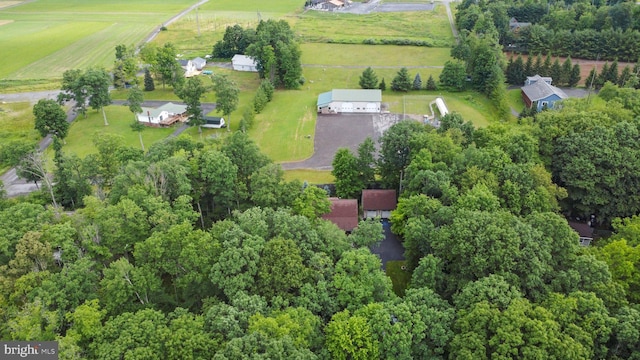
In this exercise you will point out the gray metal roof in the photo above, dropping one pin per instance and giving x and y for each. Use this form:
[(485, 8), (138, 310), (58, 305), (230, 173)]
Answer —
[(541, 90), (360, 95), (169, 107), (239, 59)]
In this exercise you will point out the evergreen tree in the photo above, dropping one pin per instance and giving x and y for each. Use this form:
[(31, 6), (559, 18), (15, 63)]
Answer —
[(368, 79), (431, 83), (383, 85), (515, 71), (509, 72), (602, 77), (402, 81), (149, 85), (417, 82), (625, 75), (590, 81), (566, 72), (528, 67), (612, 74), (545, 70), (574, 78), (537, 66), (556, 73)]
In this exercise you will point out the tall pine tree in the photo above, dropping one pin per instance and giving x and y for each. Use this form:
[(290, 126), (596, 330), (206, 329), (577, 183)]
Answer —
[(368, 79), (556, 72), (566, 72), (417, 82)]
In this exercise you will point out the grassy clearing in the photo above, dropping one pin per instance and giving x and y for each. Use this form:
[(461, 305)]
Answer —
[(79, 140), (514, 97), (16, 122), (310, 176), (472, 106), (399, 278), (318, 26), (278, 7), (373, 55)]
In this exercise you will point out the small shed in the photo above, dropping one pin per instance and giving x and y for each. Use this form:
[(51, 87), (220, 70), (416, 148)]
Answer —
[(214, 122), (244, 63), (584, 230), (344, 213), (378, 203)]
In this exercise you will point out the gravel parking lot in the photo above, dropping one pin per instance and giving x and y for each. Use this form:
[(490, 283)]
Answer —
[(342, 130)]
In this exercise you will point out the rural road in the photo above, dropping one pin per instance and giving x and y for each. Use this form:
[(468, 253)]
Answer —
[(450, 16), (14, 185)]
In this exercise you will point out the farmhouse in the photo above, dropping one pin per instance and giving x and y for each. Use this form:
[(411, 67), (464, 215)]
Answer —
[(344, 213), (349, 101), (164, 115), (378, 203), (539, 93), (244, 63)]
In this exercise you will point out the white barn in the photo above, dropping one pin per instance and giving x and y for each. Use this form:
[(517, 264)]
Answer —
[(350, 101), (244, 63)]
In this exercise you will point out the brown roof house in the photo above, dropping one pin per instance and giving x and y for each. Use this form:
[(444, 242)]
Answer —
[(344, 213), (378, 203)]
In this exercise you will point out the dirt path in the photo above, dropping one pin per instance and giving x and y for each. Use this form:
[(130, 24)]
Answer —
[(450, 16)]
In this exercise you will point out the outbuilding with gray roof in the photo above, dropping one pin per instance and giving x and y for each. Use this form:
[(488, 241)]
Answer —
[(350, 101)]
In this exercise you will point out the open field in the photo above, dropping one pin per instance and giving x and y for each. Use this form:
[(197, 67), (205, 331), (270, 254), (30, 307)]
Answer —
[(48, 37), (514, 97), (432, 26), (370, 55)]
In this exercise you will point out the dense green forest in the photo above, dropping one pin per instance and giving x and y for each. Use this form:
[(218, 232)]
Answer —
[(198, 251), (580, 29)]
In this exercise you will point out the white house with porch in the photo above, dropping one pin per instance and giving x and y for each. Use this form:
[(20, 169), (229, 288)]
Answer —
[(164, 115)]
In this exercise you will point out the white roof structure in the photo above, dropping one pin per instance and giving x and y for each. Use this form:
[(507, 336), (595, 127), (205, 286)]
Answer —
[(243, 60)]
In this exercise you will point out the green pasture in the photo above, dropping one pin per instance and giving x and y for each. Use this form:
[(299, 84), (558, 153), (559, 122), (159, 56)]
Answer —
[(320, 26), (310, 176), (79, 141), (265, 8), (45, 38), (373, 55)]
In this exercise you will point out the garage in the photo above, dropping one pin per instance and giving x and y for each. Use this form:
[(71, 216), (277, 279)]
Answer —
[(346, 107), (372, 108)]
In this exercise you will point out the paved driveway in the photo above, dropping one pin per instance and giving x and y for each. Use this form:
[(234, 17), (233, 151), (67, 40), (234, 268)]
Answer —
[(390, 249), (342, 130)]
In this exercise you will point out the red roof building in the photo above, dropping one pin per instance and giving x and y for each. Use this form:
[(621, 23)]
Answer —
[(344, 213), (378, 203)]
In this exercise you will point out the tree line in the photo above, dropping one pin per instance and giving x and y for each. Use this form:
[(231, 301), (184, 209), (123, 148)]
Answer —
[(588, 30)]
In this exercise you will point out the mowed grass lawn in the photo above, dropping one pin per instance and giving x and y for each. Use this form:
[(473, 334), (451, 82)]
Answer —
[(82, 131), (373, 55), (45, 38), (16, 122)]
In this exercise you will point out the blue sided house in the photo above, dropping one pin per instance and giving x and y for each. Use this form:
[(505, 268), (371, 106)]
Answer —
[(539, 93)]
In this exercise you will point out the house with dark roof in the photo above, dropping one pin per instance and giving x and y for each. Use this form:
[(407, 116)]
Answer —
[(378, 203), (539, 93), (350, 101), (515, 25), (344, 213)]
